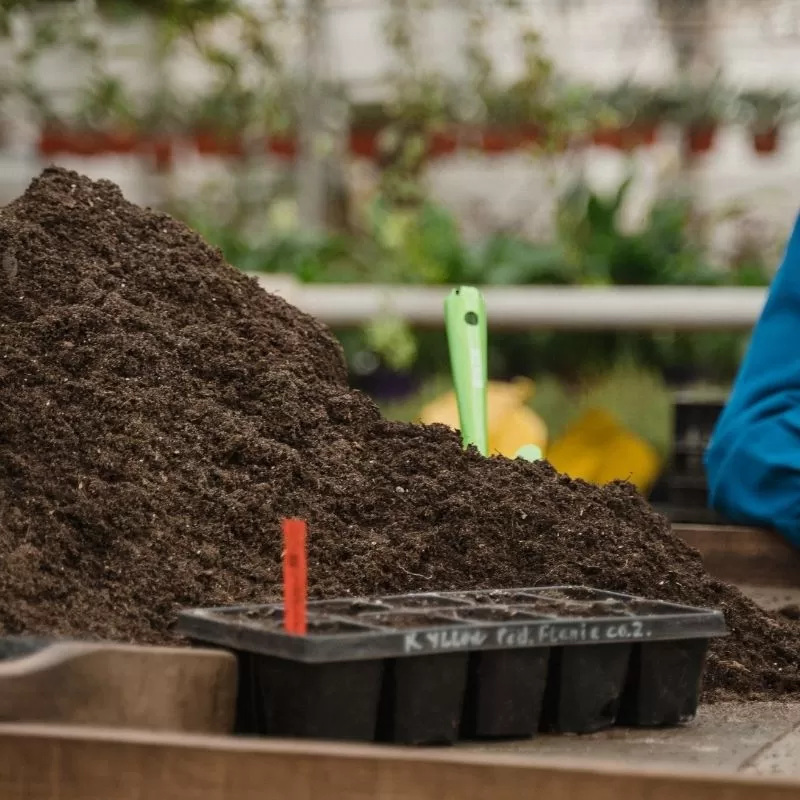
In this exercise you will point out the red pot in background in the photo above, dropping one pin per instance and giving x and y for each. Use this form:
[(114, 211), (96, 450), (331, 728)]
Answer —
[(87, 143), (283, 146), (54, 141), (608, 137), (162, 150), (119, 142), (500, 140), (627, 138), (559, 142), (530, 134), (765, 142), (51, 142), (700, 138), (647, 133), (59, 141), (364, 142), (208, 143), (442, 143)]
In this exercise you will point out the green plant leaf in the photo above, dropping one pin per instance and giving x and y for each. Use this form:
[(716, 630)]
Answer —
[(393, 340), (510, 261)]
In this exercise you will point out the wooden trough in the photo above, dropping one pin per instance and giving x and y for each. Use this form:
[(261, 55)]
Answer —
[(63, 763), (749, 556), (155, 688)]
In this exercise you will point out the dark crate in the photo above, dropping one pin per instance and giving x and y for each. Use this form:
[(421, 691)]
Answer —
[(694, 424), (691, 516), (433, 667), (695, 419), (687, 492), (250, 703), (421, 698), (688, 461)]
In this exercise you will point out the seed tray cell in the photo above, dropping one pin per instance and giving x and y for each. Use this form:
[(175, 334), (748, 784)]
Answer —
[(663, 686), (495, 614), (421, 699), (584, 688), (429, 600), (501, 596), (437, 666), (348, 607), (318, 701)]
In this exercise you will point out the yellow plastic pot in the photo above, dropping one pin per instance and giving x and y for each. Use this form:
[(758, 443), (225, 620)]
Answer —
[(598, 449), (511, 423), (595, 448)]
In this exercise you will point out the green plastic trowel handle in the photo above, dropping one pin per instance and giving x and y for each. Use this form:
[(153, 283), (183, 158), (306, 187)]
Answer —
[(529, 452), (465, 321)]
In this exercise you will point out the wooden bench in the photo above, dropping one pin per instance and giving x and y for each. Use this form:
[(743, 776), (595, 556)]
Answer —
[(744, 555), (51, 763)]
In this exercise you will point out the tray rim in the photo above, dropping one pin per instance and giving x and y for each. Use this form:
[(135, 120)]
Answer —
[(208, 625)]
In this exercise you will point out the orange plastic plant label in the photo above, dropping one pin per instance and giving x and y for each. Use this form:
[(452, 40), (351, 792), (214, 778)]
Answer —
[(295, 576)]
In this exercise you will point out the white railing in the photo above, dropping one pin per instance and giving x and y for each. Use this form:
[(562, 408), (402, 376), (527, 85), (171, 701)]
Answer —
[(533, 307)]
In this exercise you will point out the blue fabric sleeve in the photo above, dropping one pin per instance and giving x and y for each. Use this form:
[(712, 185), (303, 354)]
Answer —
[(753, 459)]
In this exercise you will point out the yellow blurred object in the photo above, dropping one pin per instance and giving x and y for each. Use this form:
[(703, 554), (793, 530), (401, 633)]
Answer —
[(598, 449), (511, 423), (595, 447)]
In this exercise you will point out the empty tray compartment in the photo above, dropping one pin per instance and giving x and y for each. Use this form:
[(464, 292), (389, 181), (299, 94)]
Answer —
[(663, 685), (422, 696), (423, 601), (283, 697), (338, 700), (584, 687), (505, 688)]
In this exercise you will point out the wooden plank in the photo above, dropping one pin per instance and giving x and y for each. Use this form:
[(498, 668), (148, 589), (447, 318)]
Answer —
[(52, 763), (157, 688), (744, 555)]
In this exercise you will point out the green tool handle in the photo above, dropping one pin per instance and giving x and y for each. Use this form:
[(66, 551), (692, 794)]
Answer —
[(465, 322)]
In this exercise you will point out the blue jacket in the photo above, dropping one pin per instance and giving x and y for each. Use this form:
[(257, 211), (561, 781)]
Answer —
[(753, 459)]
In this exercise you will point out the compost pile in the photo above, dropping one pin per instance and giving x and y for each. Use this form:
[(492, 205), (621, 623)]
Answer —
[(159, 413)]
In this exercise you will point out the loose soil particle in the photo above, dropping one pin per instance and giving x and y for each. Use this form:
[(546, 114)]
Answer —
[(159, 413)]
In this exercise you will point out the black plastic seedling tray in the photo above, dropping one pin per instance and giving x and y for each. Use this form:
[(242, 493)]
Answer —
[(438, 666)]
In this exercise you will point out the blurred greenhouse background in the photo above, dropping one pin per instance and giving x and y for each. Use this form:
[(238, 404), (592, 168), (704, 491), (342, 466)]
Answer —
[(572, 143)]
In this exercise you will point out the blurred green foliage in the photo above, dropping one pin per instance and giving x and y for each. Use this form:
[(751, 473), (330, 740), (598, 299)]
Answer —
[(591, 247), (408, 239)]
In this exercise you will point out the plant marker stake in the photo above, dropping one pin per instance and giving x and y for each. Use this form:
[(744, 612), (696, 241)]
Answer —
[(465, 323), (295, 576)]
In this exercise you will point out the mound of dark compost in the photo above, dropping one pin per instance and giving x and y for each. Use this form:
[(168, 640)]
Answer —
[(159, 413)]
